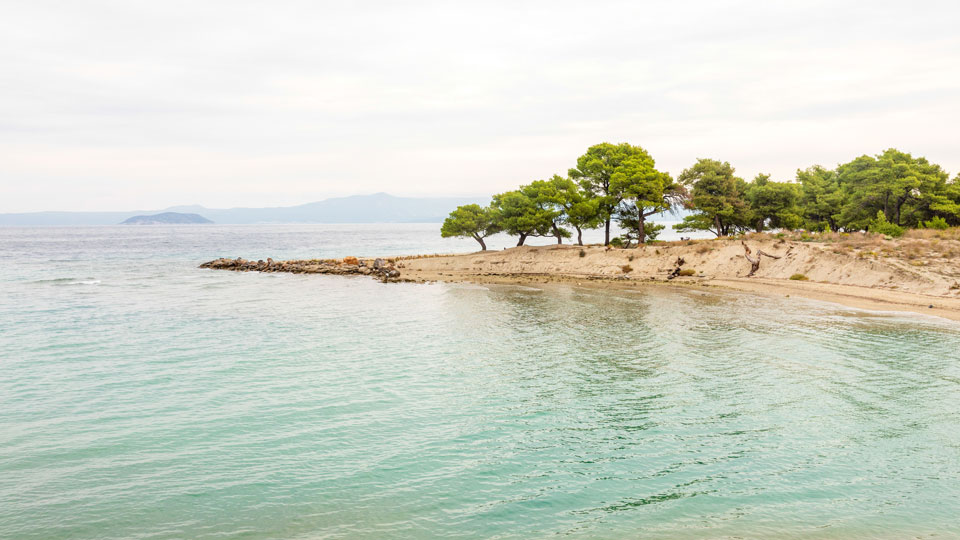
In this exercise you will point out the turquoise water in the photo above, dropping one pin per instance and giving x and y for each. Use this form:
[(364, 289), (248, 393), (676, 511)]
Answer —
[(141, 397)]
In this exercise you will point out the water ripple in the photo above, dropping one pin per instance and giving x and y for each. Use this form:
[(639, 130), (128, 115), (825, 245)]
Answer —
[(169, 402)]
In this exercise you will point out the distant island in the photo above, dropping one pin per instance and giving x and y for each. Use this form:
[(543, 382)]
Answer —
[(167, 218), (375, 208)]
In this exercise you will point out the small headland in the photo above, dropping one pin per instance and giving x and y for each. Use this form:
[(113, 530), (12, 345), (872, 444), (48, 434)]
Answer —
[(918, 273)]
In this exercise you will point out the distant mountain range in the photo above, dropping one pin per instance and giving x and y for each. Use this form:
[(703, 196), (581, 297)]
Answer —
[(166, 218), (377, 208)]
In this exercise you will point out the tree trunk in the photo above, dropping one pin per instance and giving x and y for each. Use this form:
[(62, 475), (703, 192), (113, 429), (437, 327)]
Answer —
[(716, 223), (754, 263), (641, 230), (900, 202), (606, 235), (579, 236), (483, 245), (523, 236), (556, 232)]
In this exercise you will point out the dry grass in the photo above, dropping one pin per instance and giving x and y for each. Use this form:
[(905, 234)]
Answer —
[(952, 233)]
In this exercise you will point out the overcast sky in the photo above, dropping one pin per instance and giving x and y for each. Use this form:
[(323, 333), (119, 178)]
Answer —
[(141, 105)]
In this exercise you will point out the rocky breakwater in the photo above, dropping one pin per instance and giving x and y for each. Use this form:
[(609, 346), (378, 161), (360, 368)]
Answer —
[(385, 270)]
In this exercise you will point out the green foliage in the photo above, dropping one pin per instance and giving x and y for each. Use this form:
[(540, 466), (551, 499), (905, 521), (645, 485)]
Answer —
[(582, 212), (895, 183), (607, 171), (880, 225), (936, 223), (799, 277), (653, 231), (821, 198), (880, 193), (643, 192), (636, 228), (718, 197), (775, 205), (583, 253), (472, 221), (550, 199), (518, 214)]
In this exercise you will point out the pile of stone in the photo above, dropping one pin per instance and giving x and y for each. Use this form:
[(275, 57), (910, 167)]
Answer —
[(346, 266)]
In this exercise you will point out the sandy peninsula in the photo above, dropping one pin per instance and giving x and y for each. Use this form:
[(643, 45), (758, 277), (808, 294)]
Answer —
[(911, 274), (919, 273)]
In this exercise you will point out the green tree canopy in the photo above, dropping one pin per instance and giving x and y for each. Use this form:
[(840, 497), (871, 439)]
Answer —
[(596, 169), (893, 182), (821, 198), (718, 198), (774, 205), (471, 220), (583, 213), (518, 214), (644, 191), (549, 197), (941, 200)]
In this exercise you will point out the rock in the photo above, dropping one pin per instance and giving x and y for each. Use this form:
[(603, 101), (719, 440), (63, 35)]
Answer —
[(346, 266)]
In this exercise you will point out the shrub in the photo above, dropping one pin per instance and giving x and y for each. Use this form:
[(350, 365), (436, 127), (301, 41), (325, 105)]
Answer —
[(799, 277), (687, 272), (616, 242), (626, 268), (652, 231), (882, 226), (583, 253), (937, 223), (630, 258)]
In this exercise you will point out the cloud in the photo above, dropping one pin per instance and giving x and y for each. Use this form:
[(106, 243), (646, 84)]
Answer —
[(112, 105)]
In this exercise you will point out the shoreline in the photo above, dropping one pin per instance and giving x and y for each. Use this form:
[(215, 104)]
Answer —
[(850, 274), (841, 295)]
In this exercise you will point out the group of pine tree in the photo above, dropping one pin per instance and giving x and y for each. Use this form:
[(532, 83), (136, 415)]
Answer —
[(885, 193)]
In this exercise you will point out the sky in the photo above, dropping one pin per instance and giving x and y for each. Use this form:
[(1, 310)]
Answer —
[(126, 105)]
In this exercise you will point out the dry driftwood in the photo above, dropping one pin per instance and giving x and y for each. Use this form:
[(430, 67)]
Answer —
[(676, 271), (755, 262)]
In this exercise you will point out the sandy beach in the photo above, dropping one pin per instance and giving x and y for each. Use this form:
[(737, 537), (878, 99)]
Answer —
[(915, 275)]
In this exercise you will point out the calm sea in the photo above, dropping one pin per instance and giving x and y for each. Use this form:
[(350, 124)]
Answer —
[(143, 398)]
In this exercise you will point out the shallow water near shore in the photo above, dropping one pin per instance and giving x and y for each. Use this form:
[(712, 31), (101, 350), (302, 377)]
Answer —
[(141, 397)]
